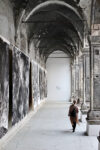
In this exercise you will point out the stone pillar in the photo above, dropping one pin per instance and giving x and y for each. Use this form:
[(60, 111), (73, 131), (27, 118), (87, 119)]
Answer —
[(76, 78), (84, 107), (80, 79), (86, 80), (99, 141), (93, 117), (73, 81)]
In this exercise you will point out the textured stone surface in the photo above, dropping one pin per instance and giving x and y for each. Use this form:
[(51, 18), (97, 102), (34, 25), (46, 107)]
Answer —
[(45, 80), (87, 78), (77, 81), (96, 77), (4, 87), (7, 27), (20, 92), (72, 80), (35, 83), (81, 78), (42, 83)]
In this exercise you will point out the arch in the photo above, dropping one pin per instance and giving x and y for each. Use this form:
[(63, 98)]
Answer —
[(73, 25), (63, 9), (62, 48), (48, 3), (52, 43)]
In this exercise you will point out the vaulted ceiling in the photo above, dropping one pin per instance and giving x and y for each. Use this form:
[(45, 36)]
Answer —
[(54, 24)]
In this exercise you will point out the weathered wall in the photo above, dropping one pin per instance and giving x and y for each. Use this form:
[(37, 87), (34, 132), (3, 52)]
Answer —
[(39, 83), (32, 51), (20, 89), (42, 83), (35, 83), (7, 29), (23, 38), (15, 73), (86, 7), (4, 87)]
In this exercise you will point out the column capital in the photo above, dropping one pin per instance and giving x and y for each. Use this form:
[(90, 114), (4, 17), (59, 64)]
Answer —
[(98, 138), (86, 51), (95, 40), (93, 116)]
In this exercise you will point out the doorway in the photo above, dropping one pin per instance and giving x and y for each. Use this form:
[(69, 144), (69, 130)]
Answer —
[(58, 76)]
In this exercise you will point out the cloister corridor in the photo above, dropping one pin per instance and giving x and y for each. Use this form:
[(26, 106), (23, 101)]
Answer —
[(50, 129), (49, 59)]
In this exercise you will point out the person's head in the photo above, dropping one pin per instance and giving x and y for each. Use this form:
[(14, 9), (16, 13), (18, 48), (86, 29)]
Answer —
[(74, 102)]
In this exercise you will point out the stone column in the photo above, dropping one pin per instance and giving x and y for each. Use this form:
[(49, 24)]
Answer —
[(99, 141), (76, 78), (80, 79), (84, 107), (86, 79), (73, 80), (93, 117)]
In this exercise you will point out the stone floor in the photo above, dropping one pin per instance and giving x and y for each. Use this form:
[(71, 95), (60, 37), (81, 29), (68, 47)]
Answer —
[(50, 129)]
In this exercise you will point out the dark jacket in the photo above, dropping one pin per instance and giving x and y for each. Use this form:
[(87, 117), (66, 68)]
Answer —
[(73, 119)]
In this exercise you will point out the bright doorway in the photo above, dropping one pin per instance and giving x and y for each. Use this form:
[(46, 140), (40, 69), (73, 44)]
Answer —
[(59, 76)]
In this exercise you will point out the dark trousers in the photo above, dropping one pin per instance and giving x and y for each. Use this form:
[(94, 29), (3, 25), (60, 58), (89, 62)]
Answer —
[(74, 126)]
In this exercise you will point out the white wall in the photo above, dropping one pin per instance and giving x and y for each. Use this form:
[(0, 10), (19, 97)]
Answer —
[(58, 77)]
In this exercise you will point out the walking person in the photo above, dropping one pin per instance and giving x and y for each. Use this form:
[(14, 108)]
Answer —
[(73, 114)]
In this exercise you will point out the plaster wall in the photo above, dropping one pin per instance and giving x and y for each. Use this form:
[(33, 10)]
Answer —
[(58, 77)]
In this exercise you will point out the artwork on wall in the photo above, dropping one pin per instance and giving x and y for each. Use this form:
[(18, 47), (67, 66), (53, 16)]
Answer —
[(15, 85), (4, 87), (42, 83), (39, 83), (35, 83), (45, 82), (20, 85)]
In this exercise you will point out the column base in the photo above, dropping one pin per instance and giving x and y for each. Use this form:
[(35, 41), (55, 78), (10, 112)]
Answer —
[(93, 115), (84, 108), (83, 116), (99, 142), (93, 122), (93, 127)]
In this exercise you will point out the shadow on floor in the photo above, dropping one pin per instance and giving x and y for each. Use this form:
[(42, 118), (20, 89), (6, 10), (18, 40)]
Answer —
[(76, 133), (61, 132)]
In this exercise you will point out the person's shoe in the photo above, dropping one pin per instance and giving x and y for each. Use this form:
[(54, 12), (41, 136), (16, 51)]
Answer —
[(73, 130)]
